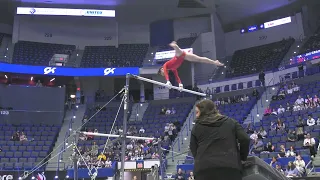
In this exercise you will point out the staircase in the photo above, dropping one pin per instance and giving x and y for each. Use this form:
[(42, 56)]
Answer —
[(137, 111), (148, 60), (70, 123), (75, 58), (181, 144), (292, 52), (6, 49), (257, 111)]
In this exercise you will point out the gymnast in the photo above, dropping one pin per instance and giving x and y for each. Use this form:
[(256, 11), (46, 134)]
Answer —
[(176, 62)]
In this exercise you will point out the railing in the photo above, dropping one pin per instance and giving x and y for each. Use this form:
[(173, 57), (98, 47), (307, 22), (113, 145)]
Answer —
[(65, 143), (180, 138)]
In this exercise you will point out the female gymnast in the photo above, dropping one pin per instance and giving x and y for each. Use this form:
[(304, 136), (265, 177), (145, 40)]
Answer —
[(176, 62)]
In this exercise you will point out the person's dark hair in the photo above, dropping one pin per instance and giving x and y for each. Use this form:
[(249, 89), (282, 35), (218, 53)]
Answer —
[(206, 107), (292, 167), (159, 71)]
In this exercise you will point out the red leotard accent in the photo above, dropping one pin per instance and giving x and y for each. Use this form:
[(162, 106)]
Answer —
[(173, 64)]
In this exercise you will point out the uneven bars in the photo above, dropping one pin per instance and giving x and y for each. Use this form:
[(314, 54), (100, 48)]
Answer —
[(168, 86), (113, 135)]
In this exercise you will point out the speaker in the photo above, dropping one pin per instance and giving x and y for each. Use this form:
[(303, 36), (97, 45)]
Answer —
[(191, 4)]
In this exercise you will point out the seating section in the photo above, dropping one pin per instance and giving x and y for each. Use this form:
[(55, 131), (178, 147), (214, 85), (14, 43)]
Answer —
[(24, 155), (125, 55), (239, 111), (152, 121), (34, 53), (182, 42), (255, 59), (312, 44)]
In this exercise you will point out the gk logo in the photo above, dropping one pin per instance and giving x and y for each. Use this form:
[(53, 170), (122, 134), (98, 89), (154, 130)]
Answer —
[(49, 70), (108, 71)]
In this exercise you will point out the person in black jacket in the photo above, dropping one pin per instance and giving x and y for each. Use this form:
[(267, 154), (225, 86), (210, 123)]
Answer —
[(218, 144)]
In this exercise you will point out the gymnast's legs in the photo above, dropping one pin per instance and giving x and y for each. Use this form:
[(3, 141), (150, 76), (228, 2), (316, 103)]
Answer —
[(192, 57)]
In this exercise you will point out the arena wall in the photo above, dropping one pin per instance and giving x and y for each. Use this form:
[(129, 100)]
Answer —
[(186, 27), (236, 41)]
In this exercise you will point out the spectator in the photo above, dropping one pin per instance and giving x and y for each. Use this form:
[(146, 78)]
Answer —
[(254, 136), (94, 149), (289, 90), (316, 101), (163, 110), (280, 125), (273, 126), (102, 157), (255, 93), (309, 143), (141, 131), (168, 112), (300, 101), (291, 152), (262, 78), (269, 147), (278, 168), (281, 95), (273, 162), (310, 121), (300, 164), (108, 163), (173, 110), (296, 107), (267, 111), (292, 137), (245, 98), (180, 175), (191, 177), (257, 147), (15, 136), (289, 107), (318, 121), (274, 112), (292, 170), (282, 151), (90, 137), (262, 133), (296, 88), (249, 129), (281, 110), (308, 102), (23, 137)]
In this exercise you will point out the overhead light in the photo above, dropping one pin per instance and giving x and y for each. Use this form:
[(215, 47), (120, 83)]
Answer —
[(74, 117), (137, 114), (67, 176), (7, 49), (6, 76), (273, 88), (31, 78), (77, 106), (77, 54), (52, 79), (140, 104), (33, 177), (222, 73), (72, 96), (20, 178), (298, 46), (294, 52), (56, 177), (149, 60), (5, 56), (258, 115)]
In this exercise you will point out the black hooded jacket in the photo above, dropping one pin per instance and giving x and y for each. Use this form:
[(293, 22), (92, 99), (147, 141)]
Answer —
[(214, 142)]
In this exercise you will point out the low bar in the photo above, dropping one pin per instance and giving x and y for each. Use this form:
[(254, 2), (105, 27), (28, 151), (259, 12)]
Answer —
[(113, 135), (170, 87)]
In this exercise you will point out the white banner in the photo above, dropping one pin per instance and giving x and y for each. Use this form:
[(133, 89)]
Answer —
[(277, 22), (169, 54), (65, 12)]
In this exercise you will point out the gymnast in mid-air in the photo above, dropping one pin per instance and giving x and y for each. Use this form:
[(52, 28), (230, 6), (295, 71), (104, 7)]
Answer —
[(180, 55)]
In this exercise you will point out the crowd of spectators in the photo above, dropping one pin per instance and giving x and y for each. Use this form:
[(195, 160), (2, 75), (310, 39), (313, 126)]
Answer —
[(19, 136), (299, 133)]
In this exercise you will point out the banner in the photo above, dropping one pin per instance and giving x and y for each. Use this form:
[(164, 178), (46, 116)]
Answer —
[(64, 71), (306, 57), (169, 54), (65, 12)]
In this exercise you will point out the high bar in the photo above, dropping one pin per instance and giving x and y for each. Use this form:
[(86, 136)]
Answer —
[(170, 87), (113, 135)]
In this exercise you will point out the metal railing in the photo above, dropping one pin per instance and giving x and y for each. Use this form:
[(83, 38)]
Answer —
[(180, 138)]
